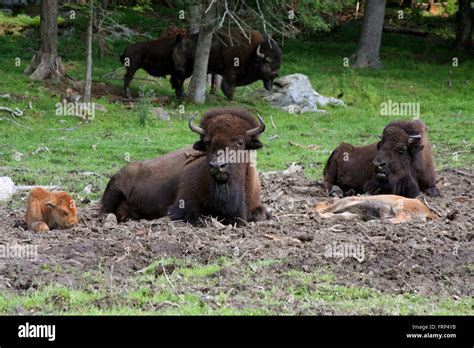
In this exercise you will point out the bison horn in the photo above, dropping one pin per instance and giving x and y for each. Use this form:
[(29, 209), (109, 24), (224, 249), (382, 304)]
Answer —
[(414, 138), (256, 131), (195, 128), (260, 54)]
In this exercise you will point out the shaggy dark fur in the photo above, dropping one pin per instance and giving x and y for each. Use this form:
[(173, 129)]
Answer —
[(397, 164), (187, 190)]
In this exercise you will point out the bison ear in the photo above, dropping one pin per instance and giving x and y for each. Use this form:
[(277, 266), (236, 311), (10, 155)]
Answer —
[(379, 144), (199, 146), (51, 204), (254, 144)]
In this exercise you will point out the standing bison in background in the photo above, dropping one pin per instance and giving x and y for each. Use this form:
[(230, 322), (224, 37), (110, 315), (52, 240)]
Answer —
[(239, 60), (400, 163), (155, 57), (211, 184)]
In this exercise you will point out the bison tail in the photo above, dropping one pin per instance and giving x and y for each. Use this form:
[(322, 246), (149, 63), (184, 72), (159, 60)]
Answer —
[(111, 198)]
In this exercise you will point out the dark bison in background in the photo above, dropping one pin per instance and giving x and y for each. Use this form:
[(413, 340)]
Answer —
[(155, 57), (400, 163), (240, 61), (208, 185)]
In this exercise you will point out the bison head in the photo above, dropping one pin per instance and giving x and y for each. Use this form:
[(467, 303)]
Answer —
[(394, 162), (228, 137), (62, 210), (267, 62)]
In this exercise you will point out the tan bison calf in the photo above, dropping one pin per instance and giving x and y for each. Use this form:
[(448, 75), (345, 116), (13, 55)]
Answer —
[(49, 210)]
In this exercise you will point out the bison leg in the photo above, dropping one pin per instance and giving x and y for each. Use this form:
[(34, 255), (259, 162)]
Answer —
[(330, 172), (112, 198), (126, 81), (123, 211), (336, 191), (177, 84), (409, 189), (432, 191), (39, 226), (186, 211), (228, 87), (260, 214), (214, 83), (239, 219)]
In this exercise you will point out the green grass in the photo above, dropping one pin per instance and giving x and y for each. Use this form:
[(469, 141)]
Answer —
[(294, 292), (18, 21), (416, 70)]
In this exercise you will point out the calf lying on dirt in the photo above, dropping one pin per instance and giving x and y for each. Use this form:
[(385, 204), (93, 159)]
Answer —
[(49, 210), (394, 208)]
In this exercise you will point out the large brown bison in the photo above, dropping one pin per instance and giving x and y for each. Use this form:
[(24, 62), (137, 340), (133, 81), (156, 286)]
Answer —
[(239, 60), (400, 163), (155, 57), (209, 185)]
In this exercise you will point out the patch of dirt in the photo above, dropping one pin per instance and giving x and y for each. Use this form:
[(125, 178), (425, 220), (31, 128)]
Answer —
[(429, 258), (101, 89)]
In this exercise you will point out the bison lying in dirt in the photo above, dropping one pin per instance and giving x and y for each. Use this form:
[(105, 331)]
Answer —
[(239, 61), (396, 209), (212, 184), (49, 210), (400, 163)]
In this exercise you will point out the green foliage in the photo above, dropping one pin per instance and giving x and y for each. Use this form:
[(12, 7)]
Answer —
[(451, 7), (143, 106), (416, 70), (196, 289), (21, 20), (320, 15)]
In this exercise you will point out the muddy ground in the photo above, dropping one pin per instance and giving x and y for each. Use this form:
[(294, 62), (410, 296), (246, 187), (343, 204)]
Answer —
[(430, 258)]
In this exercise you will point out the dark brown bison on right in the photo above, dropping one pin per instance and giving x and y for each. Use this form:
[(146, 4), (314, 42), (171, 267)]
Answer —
[(210, 185), (400, 163)]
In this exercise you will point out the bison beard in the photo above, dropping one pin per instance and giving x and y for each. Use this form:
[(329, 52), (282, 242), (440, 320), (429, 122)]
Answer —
[(405, 186), (401, 163), (187, 190), (226, 203)]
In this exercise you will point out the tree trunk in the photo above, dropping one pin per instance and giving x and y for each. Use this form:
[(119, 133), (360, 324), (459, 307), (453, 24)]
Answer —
[(195, 17), (368, 51), (100, 29), (464, 25), (46, 64), (197, 87), (88, 77)]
